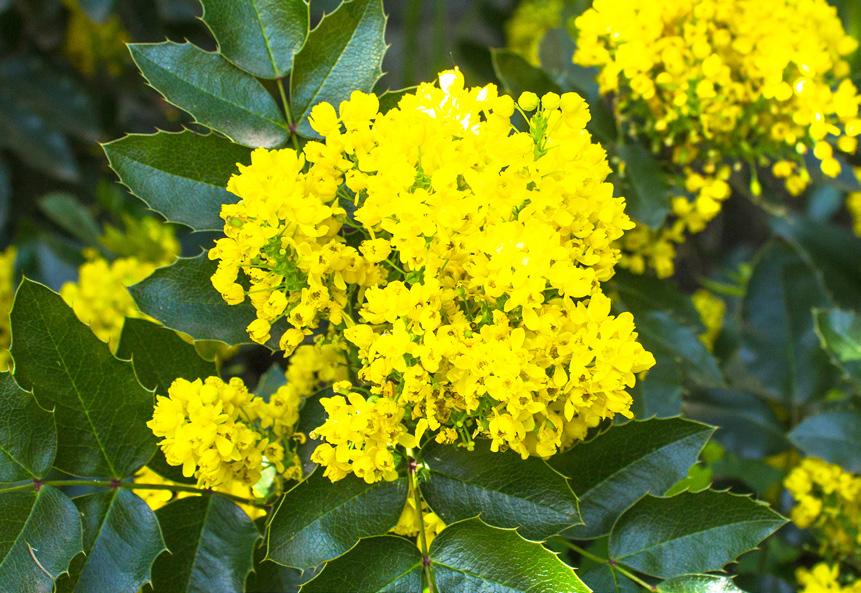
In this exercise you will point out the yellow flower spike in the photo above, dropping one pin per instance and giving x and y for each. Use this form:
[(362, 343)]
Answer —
[(459, 260)]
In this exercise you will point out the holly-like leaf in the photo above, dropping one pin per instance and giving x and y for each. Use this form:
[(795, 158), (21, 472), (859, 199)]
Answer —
[(121, 541), (690, 532), (259, 36), (319, 520), (182, 176), (28, 436), (501, 488), (384, 564), (473, 556), (648, 194), (342, 54), (834, 436), (748, 425), (67, 212), (668, 339), (641, 293), (159, 355), (612, 470), (181, 297), (840, 336), (216, 93), (35, 142), (517, 75), (101, 409), (699, 583), (833, 250), (41, 534), (211, 543), (779, 347)]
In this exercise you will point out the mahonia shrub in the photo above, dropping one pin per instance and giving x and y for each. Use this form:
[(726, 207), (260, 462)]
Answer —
[(415, 340)]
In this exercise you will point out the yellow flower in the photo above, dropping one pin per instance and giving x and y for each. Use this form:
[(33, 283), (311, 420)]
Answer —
[(530, 22), (7, 294), (712, 310), (825, 578), (462, 261)]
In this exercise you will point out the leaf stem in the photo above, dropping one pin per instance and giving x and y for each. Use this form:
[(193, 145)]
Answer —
[(613, 565), (287, 114), (101, 483), (417, 497)]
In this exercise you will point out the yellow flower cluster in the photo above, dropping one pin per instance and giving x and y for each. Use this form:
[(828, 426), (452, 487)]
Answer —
[(100, 297), (825, 578), (461, 259), (530, 22), (853, 204), (711, 83), (7, 295), (410, 524), (223, 435), (712, 310), (828, 501), (94, 47)]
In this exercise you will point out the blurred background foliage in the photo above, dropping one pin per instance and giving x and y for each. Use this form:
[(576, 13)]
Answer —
[(67, 83)]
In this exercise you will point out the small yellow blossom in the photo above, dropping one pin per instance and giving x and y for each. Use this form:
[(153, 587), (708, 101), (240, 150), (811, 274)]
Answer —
[(825, 578), (7, 294), (712, 310)]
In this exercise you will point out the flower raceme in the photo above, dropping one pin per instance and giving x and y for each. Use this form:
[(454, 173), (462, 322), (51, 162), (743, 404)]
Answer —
[(828, 502), (715, 83), (457, 261)]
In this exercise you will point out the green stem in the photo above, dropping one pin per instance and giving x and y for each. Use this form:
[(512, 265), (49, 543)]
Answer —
[(613, 565), (287, 114), (131, 486), (417, 497)]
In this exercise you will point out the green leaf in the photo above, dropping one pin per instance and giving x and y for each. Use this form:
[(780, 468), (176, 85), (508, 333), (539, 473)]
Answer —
[(384, 564), (159, 355), (470, 556), (28, 436), (102, 410), (779, 347), (211, 543), (517, 75), (647, 191), (182, 176), (181, 297), (319, 520), (121, 541), (67, 212), (840, 336), (690, 532), (259, 36), (641, 293), (833, 250), (669, 340), (342, 54), (41, 535), (748, 424), (389, 99), (604, 579), (699, 583), (216, 93), (37, 88), (612, 470), (833, 436), (501, 488), (660, 392), (35, 142)]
